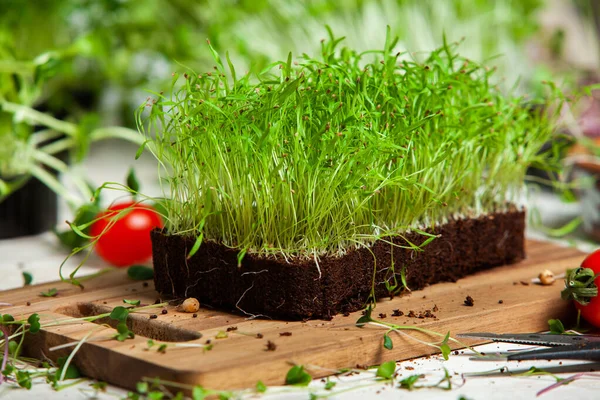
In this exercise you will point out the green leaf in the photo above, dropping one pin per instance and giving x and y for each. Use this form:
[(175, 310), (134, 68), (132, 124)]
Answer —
[(13, 347), (132, 181), (387, 342), (123, 332), (7, 318), (140, 272), (150, 343), (162, 348), (119, 313), (27, 279), (330, 385), (132, 302), (8, 370), (23, 379), (100, 386), (84, 216), (142, 387), (386, 370), (445, 348), (198, 393), (221, 335), (261, 387), (556, 326), (155, 395), (72, 370), (297, 376), (409, 382), (366, 318), (50, 293), (34, 323), (196, 246)]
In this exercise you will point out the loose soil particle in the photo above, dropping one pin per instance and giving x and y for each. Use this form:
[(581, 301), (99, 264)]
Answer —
[(271, 346), (469, 301), (294, 289), (285, 333), (397, 313)]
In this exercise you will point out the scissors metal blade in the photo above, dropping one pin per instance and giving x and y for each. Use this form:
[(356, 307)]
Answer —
[(538, 339)]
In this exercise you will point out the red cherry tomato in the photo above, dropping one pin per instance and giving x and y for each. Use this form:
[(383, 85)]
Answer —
[(591, 311), (127, 239)]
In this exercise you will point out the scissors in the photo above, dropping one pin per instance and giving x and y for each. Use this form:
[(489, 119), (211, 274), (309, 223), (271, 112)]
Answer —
[(560, 347)]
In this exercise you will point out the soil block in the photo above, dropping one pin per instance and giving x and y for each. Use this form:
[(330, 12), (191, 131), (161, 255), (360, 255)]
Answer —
[(294, 289)]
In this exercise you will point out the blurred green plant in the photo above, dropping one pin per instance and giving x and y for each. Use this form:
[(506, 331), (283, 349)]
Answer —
[(123, 45), (34, 142)]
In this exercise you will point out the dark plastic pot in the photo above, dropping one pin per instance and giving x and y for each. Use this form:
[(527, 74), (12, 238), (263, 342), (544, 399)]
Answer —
[(29, 211)]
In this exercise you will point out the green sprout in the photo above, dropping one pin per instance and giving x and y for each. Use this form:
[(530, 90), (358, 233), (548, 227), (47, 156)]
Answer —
[(320, 155)]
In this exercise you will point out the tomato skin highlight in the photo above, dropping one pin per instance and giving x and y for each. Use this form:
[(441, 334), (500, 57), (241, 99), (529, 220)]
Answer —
[(127, 239), (591, 311)]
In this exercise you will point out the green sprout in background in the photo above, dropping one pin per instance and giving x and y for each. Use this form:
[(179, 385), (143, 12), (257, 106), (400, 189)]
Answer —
[(316, 156)]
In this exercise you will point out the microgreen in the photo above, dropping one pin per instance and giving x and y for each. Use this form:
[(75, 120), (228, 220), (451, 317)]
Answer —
[(27, 279), (319, 155), (119, 313), (221, 335), (409, 382), (443, 345), (140, 272), (132, 181), (556, 326), (132, 302), (34, 323), (49, 293), (260, 387), (123, 332), (329, 385), (386, 370), (297, 376)]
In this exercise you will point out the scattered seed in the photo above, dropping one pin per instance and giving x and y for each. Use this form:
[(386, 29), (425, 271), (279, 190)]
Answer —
[(164, 311), (195, 315), (500, 301), (153, 316), (189, 305), (259, 335), (285, 333), (546, 277), (382, 315)]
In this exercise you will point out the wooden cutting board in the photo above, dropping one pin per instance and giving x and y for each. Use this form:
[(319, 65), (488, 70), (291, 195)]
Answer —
[(241, 359)]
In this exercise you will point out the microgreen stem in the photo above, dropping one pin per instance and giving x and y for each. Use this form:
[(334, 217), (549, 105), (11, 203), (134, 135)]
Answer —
[(6, 351)]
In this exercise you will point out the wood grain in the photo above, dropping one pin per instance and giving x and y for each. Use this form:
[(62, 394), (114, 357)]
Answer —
[(242, 359)]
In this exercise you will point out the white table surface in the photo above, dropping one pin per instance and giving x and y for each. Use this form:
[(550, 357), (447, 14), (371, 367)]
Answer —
[(41, 256)]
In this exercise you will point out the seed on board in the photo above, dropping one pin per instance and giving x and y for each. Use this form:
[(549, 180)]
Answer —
[(546, 277), (190, 305)]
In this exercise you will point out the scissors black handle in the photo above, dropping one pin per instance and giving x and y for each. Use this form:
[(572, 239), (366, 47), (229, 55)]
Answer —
[(587, 352)]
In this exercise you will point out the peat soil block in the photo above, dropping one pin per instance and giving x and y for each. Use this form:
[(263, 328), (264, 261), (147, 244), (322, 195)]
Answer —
[(295, 289)]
